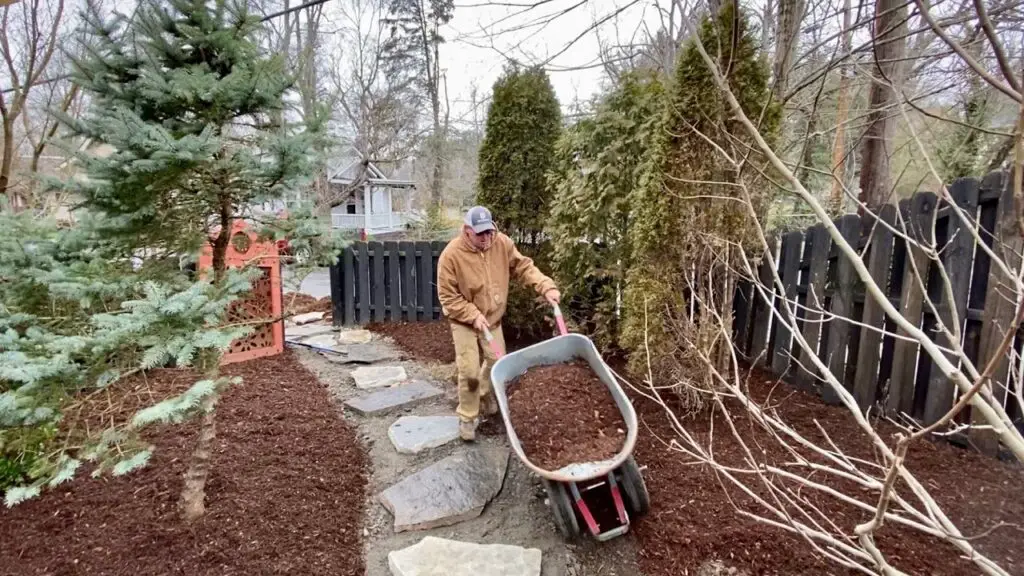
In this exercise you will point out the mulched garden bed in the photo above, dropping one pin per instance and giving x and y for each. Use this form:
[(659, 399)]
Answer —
[(299, 303), (564, 414), (425, 341), (285, 496), (692, 520)]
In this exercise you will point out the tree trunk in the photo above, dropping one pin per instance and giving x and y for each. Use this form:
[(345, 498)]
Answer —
[(842, 113), (193, 494), (786, 40), (7, 163), (890, 46)]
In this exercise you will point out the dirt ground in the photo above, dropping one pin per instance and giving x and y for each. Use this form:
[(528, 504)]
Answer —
[(564, 414), (517, 516), (280, 499)]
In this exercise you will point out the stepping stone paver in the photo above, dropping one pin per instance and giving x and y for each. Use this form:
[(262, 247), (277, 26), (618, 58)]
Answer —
[(308, 318), (449, 491), (440, 557), (414, 434), (354, 337), (326, 341), (401, 396), (365, 354), (368, 377), (307, 330)]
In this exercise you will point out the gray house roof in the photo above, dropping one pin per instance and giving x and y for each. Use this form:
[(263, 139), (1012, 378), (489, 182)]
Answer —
[(347, 171)]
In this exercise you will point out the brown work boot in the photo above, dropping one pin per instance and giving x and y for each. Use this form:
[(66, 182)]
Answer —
[(467, 430), (489, 405)]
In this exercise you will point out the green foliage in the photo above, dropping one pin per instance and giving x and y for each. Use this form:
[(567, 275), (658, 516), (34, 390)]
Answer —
[(182, 118), (523, 124), (597, 166), (684, 219)]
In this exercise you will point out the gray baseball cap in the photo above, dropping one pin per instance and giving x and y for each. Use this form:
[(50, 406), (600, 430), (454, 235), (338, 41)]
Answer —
[(479, 219)]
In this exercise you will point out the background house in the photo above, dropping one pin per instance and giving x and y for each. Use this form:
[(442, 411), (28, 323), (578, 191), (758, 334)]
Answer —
[(378, 203)]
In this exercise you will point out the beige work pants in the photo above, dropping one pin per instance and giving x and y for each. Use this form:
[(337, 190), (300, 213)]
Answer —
[(473, 359)]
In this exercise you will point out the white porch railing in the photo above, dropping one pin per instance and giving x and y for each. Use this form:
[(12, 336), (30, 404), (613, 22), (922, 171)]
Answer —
[(372, 222)]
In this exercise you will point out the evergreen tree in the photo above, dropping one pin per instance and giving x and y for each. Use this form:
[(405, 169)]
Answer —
[(187, 102), (597, 166), (687, 222), (523, 124)]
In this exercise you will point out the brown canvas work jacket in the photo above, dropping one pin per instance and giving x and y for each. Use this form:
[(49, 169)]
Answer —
[(470, 281)]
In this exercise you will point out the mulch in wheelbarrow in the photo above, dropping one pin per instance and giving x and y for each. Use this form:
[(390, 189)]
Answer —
[(564, 414)]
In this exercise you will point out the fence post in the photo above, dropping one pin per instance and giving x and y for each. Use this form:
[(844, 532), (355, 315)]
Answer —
[(999, 309), (377, 259), (957, 259), (363, 282), (762, 302), (841, 308), (393, 281), (426, 280), (819, 245), (865, 379), (789, 266)]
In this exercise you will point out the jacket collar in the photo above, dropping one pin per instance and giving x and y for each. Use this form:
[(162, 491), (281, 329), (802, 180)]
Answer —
[(466, 245)]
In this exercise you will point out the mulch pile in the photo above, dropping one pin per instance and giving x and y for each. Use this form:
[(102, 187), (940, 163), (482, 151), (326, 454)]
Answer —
[(425, 341), (299, 303), (285, 496), (564, 414), (692, 520)]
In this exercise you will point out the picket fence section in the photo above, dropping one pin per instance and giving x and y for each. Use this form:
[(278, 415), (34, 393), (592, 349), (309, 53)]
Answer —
[(888, 373), (386, 281), (397, 281)]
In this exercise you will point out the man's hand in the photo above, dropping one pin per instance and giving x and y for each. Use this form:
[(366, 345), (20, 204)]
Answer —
[(480, 323), (553, 296)]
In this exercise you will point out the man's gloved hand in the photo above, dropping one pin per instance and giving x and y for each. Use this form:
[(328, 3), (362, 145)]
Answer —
[(480, 323), (553, 296)]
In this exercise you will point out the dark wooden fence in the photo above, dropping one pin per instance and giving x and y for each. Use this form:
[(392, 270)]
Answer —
[(386, 281), (888, 373)]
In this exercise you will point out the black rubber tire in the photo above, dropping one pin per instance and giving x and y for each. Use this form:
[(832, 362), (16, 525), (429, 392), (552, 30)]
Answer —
[(562, 510), (633, 485)]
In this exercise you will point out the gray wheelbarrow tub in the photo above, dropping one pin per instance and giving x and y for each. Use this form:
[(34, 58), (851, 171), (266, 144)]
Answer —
[(558, 350)]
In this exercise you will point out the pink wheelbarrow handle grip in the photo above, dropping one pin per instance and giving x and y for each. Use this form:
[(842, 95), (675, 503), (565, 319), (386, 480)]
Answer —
[(498, 352), (560, 320)]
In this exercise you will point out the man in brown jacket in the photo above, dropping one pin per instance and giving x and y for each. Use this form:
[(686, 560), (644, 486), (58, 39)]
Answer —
[(472, 284)]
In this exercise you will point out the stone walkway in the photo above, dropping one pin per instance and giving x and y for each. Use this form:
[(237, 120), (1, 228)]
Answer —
[(440, 506)]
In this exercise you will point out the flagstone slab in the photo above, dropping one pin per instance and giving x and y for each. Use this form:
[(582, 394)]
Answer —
[(354, 337), (395, 397), (441, 557), (369, 377), (449, 491), (414, 434), (308, 318), (299, 332)]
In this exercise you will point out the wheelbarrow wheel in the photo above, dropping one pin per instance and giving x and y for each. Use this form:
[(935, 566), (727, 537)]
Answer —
[(562, 510), (636, 490)]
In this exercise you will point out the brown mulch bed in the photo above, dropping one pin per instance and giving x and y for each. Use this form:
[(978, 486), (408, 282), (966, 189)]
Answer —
[(564, 414), (425, 341), (285, 495), (692, 520)]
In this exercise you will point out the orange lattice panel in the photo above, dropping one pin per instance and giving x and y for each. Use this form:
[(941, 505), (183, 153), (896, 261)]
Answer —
[(263, 302)]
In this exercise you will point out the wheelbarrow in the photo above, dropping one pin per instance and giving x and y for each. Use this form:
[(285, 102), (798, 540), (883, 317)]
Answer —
[(579, 489)]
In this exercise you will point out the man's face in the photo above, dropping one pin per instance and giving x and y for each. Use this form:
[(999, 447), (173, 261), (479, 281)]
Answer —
[(481, 241)]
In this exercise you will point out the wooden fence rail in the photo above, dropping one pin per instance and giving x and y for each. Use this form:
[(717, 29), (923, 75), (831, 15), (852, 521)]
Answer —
[(386, 281), (833, 314)]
